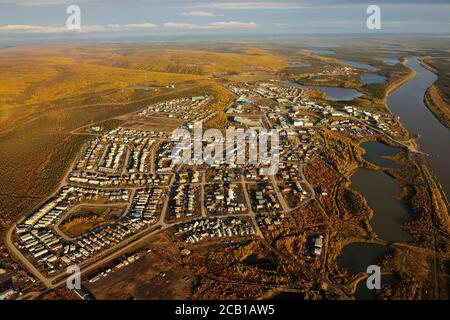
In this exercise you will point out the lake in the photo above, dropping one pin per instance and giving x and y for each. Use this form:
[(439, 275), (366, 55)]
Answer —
[(370, 78), (332, 93), (376, 153), (389, 61), (390, 214), (363, 293), (357, 256), (321, 51), (378, 188), (360, 65)]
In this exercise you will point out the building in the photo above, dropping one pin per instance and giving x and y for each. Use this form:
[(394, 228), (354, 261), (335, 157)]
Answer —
[(198, 98), (318, 243)]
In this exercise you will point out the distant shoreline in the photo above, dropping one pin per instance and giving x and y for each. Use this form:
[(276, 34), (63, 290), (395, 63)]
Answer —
[(434, 101)]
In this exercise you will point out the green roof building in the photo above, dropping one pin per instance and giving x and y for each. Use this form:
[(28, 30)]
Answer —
[(198, 98)]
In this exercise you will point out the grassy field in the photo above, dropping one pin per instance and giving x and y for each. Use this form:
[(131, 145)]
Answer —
[(48, 93), (442, 67), (158, 274), (31, 85), (191, 61), (437, 97), (35, 154), (86, 218)]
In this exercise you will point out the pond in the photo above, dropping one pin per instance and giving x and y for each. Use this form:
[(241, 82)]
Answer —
[(390, 214), (360, 65), (260, 262), (370, 78), (332, 93), (363, 293), (357, 256), (389, 61), (376, 153)]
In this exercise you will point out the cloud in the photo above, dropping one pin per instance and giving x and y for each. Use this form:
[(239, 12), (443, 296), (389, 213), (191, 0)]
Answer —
[(26, 28), (304, 4), (201, 14), (35, 2), (251, 5), (181, 25), (144, 25), (233, 25), (213, 25)]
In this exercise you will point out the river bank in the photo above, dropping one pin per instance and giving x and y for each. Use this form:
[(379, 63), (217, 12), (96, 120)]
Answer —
[(392, 86), (434, 98), (407, 102), (424, 211), (434, 101)]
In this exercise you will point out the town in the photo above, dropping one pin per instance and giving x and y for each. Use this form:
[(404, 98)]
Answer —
[(133, 174)]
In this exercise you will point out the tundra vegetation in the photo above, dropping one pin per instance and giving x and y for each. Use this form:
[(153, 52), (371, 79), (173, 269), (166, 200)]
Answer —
[(51, 95)]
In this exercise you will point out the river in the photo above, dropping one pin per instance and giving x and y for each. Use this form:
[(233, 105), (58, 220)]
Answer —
[(407, 102), (378, 187)]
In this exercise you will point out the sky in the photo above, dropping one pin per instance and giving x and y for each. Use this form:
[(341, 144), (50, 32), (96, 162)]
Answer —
[(34, 18)]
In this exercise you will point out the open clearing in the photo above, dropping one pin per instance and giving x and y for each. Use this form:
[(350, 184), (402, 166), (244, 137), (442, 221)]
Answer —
[(86, 218)]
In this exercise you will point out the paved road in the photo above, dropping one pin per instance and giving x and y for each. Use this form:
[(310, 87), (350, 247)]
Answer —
[(202, 196), (251, 213), (280, 197), (123, 247)]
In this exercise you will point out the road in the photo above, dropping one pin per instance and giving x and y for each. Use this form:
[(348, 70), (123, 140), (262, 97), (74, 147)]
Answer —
[(118, 250), (251, 213), (202, 196)]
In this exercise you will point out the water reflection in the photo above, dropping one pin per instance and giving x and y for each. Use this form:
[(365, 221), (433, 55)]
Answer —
[(407, 102), (389, 213), (332, 93), (376, 153), (370, 78), (360, 65)]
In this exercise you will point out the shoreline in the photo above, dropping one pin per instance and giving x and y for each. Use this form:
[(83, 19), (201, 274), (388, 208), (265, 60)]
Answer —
[(392, 86), (432, 93), (434, 106), (418, 160)]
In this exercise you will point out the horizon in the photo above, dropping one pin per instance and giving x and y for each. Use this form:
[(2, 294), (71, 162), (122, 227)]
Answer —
[(28, 20), (224, 38)]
